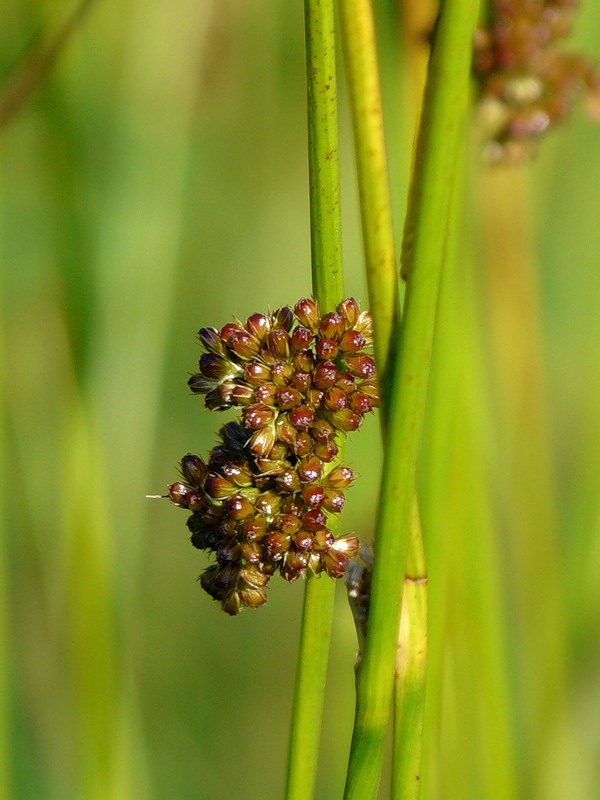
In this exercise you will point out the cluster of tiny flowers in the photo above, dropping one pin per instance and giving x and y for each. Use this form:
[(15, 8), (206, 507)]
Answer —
[(262, 501), (527, 84)]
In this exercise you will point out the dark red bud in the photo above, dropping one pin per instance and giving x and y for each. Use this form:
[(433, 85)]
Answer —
[(325, 375), (258, 416), (314, 520), (352, 342), (323, 539), (251, 552), (296, 562), (327, 349), (277, 543), (267, 394), (334, 399), (326, 451), (178, 493), (193, 470), (304, 541), (283, 318), (304, 444), (315, 398), (334, 563), (313, 496), (322, 430), (218, 487), (348, 309), (288, 481), (302, 417), (262, 441), (301, 381), (258, 325), (244, 345), (307, 312), (254, 529), (301, 339), (361, 366), (268, 503), (239, 507), (332, 326), (304, 361), (309, 469), (196, 501), (287, 398), (242, 395), (289, 524), (345, 420), (209, 338), (339, 478), (257, 373), (281, 374), (279, 343), (334, 501), (227, 331), (360, 403)]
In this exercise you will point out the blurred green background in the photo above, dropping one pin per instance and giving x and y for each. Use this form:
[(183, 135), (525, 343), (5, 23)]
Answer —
[(158, 183)]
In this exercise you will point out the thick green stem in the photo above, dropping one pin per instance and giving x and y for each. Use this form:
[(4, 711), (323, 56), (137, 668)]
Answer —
[(444, 110), (328, 290)]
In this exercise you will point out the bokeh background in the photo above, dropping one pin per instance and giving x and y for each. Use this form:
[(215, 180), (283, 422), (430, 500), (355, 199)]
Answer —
[(157, 183)]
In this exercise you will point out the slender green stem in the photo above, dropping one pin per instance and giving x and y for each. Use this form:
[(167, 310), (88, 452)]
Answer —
[(358, 37), (445, 106), (328, 289)]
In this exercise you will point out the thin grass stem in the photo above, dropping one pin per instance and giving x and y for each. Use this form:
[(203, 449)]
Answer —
[(328, 290), (444, 110)]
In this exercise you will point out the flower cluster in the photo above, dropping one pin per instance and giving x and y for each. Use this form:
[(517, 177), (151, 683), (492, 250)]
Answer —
[(527, 85), (262, 501)]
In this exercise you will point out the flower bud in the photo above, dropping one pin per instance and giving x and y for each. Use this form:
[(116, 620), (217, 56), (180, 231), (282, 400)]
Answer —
[(352, 342), (178, 494), (196, 501), (199, 384), (348, 309), (238, 472), (314, 520), (332, 326), (251, 552), (255, 528), (258, 416), (210, 340), (345, 420), (339, 478), (279, 343), (361, 366), (314, 398), (287, 398), (348, 545), (227, 331), (281, 374), (258, 325), (301, 339), (364, 325), (233, 436), (322, 430), (304, 541), (268, 503), (326, 451), (277, 543), (289, 524), (301, 381), (360, 403), (295, 563), (215, 367), (307, 312), (334, 501), (304, 444), (283, 318), (266, 394), (313, 496), (285, 430), (228, 550), (323, 539), (257, 373), (325, 375), (242, 395), (193, 470), (301, 417), (218, 487), (334, 563), (239, 507), (243, 345), (213, 400), (288, 481), (309, 469), (252, 598), (304, 361), (334, 399), (230, 603), (262, 441), (327, 349)]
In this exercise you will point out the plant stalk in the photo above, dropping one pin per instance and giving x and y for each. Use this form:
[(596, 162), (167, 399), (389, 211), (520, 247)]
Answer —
[(328, 290), (444, 111)]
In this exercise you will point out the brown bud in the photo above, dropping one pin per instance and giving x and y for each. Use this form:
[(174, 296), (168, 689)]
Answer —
[(288, 481), (255, 528), (304, 541), (313, 496), (301, 339), (283, 318), (239, 507), (326, 451), (324, 375), (289, 524), (304, 361), (361, 366), (334, 501), (262, 441), (322, 430), (332, 326), (228, 550), (244, 345), (360, 403), (302, 380), (304, 444), (277, 543), (285, 430), (352, 342), (345, 420), (364, 325), (193, 470), (178, 493), (268, 503), (227, 331), (251, 552), (314, 520), (339, 478), (287, 398), (309, 469), (348, 309), (258, 416), (334, 563), (242, 395), (307, 312), (314, 398), (251, 598), (258, 325), (218, 487), (334, 399), (278, 342), (238, 472), (199, 384), (327, 349), (257, 373), (296, 562), (196, 501), (323, 539), (216, 367), (302, 417), (266, 394), (210, 340)]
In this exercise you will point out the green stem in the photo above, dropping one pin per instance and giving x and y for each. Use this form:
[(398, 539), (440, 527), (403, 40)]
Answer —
[(328, 290), (444, 111)]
